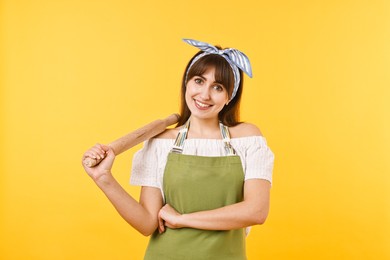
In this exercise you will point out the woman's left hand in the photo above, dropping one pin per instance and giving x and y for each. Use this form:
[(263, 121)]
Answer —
[(168, 217)]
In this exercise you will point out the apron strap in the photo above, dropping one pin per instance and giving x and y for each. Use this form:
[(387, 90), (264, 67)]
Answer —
[(226, 139), (182, 136)]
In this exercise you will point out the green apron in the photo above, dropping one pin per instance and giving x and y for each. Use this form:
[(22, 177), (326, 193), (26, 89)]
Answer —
[(197, 183)]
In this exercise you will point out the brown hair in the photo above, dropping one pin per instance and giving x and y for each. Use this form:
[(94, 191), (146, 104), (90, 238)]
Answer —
[(230, 114)]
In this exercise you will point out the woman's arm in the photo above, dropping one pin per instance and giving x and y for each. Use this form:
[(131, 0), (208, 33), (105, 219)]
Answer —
[(141, 215), (253, 210)]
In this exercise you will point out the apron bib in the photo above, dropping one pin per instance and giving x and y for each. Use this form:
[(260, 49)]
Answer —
[(197, 183)]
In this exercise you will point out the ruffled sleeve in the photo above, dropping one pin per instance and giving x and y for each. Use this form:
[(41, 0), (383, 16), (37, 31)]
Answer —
[(148, 164), (259, 159)]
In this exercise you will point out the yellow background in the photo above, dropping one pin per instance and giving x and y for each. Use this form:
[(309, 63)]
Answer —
[(74, 73)]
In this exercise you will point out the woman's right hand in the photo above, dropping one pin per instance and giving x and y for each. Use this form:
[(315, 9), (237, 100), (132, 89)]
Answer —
[(103, 169)]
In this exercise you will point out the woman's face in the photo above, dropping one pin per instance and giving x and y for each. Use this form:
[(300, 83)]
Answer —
[(205, 98)]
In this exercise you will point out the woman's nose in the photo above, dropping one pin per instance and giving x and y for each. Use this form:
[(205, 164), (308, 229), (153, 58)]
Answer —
[(205, 93)]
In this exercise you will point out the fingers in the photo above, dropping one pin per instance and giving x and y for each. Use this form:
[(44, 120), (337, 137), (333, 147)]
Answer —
[(161, 225), (166, 218), (97, 152)]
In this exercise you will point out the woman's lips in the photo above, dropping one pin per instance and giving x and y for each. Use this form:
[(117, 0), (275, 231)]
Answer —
[(201, 106)]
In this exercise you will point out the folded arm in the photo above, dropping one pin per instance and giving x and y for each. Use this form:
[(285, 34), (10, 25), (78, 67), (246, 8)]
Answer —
[(253, 210)]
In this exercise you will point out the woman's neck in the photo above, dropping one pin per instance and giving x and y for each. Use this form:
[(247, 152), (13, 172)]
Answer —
[(204, 128)]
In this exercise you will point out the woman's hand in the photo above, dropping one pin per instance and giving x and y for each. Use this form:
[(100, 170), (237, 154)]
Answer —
[(168, 217), (103, 169)]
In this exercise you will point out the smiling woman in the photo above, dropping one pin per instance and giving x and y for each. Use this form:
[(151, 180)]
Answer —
[(204, 96), (225, 77), (204, 186)]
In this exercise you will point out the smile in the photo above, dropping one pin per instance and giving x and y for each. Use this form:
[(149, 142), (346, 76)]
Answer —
[(201, 105)]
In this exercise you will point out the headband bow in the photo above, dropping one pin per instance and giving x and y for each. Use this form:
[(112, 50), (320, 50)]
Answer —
[(235, 58)]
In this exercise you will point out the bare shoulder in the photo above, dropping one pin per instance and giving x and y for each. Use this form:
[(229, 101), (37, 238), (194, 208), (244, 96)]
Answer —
[(169, 133), (244, 130)]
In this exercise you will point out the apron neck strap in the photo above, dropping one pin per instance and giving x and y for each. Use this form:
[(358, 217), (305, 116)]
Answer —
[(182, 136)]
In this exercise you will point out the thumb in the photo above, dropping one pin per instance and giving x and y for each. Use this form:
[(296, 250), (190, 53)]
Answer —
[(109, 151), (105, 148), (109, 157)]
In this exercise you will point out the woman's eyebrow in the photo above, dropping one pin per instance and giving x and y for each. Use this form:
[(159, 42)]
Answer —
[(206, 79), (202, 77)]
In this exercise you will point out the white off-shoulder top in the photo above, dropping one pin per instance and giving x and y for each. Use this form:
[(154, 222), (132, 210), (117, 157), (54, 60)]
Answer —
[(149, 162)]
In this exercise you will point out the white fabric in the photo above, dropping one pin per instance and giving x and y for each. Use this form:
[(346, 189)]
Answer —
[(149, 162)]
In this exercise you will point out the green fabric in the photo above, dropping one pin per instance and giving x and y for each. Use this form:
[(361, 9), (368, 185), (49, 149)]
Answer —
[(197, 183)]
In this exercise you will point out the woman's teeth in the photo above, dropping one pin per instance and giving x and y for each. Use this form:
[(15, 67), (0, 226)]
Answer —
[(201, 104)]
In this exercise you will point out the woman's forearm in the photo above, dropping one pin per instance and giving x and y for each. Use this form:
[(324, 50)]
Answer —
[(230, 217), (137, 215), (253, 210)]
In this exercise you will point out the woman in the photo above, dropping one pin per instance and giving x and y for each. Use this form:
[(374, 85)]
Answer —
[(204, 181)]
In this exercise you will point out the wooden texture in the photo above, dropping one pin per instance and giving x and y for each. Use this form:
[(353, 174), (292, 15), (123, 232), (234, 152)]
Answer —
[(133, 138)]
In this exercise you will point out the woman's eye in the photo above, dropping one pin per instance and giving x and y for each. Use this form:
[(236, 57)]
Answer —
[(218, 88), (198, 80)]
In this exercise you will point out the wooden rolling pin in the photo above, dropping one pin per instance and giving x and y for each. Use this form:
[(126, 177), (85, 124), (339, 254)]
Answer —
[(133, 138)]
